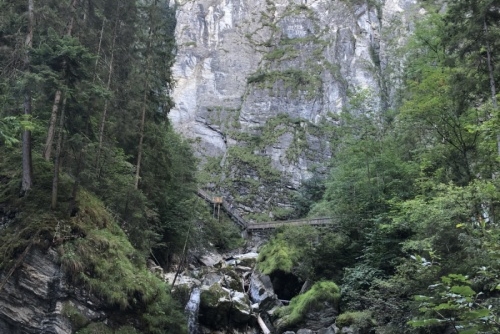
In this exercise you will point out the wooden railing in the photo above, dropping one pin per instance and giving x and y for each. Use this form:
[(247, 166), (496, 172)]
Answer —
[(297, 222), (260, 226), (226, 206)]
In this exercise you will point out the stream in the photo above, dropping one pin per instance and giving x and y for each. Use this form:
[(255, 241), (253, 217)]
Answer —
[(191, 310)]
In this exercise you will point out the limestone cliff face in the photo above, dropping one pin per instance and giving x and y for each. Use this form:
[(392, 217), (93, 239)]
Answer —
[(259, 83)]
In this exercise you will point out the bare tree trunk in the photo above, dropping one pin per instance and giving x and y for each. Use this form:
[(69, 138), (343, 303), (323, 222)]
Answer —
[(141, 141), (57, 163), (98, 50), (47, 151), (105, 111), (27, 164), (143, 111), (57, 98)]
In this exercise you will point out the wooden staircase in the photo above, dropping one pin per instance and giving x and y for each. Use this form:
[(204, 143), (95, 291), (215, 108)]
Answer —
[(244, 225)]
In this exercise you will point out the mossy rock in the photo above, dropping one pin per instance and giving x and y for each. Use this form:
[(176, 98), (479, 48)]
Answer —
[(247, 262), (77, 319), (362, 322), (215, 304), (324, 294), (211, 296)]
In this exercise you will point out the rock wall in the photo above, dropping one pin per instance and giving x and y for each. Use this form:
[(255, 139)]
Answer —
[(260, 82), (37, 299)]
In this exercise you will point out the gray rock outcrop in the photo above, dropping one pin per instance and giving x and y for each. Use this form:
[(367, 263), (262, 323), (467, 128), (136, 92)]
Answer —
[(37, 298), (261, 292), (259, 85)]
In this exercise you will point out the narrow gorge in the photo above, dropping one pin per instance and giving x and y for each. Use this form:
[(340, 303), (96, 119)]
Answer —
[(249, 167)]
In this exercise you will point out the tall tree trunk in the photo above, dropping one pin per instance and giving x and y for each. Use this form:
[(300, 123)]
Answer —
[(141, 141), (27, 164), (47, 152), (492, 78), (143, 109), (98, 50), (57, 163), (105, 110)]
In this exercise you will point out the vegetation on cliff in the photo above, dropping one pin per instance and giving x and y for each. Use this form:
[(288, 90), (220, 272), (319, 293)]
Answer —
[(414, 190)]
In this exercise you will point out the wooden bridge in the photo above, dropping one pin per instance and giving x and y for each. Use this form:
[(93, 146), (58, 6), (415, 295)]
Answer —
[(243, 224)]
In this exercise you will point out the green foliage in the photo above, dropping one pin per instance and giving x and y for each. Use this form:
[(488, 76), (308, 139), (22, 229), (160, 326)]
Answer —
[(310, 192), (95, 252), (355, 284), (289, 251), (96, 328), (101, 328), (105, 262), (306, 252), (293, 80), (454, 302), (277, 255), (258, 163), (360, 321), (321, 293), (9, 127)]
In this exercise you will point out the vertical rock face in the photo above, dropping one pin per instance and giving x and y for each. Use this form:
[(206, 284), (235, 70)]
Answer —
[(259, 84), (29, 299), (37, 298)]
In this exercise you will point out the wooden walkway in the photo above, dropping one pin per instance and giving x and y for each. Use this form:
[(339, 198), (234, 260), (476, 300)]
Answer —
[(242, 223)]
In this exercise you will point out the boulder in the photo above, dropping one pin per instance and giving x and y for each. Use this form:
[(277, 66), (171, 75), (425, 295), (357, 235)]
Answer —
[(261, 291), (221, 307), (329, 330), (210, 259), (323, 318)]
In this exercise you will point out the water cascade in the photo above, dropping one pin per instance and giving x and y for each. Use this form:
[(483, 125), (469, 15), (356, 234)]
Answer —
[(191, 310)]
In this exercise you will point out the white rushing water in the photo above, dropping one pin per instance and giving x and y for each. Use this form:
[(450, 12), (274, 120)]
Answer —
[(191, 310)]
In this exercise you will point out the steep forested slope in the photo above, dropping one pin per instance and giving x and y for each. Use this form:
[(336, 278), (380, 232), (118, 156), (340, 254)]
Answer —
[(90, 168)]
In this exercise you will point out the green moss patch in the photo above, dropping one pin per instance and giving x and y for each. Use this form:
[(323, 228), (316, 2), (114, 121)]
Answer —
[(314, 299), (293, 80), (103, 260), (360, 321), (290, 251)]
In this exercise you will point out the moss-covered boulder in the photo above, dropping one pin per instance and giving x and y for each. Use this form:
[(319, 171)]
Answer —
[(221, 307), (318, 303), (356, 322)]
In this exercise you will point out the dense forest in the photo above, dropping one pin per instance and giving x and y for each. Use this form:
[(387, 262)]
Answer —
[(88, 160), (414, 190), (90, 164)]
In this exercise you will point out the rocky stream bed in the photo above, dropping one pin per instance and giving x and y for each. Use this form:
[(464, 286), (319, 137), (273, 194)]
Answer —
[(227, 294)]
